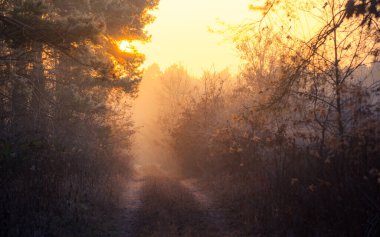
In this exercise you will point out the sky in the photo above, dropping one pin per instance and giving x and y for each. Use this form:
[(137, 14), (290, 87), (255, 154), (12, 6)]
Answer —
[(180, 34)]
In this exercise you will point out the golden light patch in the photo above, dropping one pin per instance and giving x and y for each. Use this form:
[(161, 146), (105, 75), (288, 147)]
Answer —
[(126, 46)]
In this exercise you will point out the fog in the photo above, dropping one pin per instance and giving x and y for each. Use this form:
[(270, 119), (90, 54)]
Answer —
[(150, 147)]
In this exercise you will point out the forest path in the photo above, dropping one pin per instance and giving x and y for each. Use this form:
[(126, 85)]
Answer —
[(163, 206), (130, 204), (215, 214)]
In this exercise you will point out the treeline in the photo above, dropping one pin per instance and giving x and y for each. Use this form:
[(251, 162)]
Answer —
[(290, 147), (65, 127)]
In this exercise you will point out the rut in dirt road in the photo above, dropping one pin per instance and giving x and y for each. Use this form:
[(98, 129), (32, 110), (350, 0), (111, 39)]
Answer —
[(215, 214), (130, 204)]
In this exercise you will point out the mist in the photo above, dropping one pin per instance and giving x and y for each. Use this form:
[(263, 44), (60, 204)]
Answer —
[(150, 146), (280, 137)]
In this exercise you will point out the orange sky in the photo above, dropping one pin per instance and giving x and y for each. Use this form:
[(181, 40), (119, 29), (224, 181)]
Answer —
[(180, 34)]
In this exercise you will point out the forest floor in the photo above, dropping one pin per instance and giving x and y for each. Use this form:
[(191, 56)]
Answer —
[(158, 205)]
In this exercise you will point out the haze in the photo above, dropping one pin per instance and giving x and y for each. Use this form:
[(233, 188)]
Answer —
[(189, 118), (181, 34)]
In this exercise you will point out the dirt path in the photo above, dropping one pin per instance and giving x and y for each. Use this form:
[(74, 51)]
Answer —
[(161, 206), (215, 215), (130, 204)]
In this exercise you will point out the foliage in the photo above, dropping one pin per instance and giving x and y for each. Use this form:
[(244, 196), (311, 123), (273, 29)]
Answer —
[(65, 133), (291, 148), (369, 9)]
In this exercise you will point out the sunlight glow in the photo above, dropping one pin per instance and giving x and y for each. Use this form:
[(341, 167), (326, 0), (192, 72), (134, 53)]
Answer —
[(180, 34), (126, 46)]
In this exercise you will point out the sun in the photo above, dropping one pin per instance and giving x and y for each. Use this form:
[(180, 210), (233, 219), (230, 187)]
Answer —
[(126, 46)]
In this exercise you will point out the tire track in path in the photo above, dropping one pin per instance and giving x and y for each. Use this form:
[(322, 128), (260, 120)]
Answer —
[(130, 204), (215, 214)]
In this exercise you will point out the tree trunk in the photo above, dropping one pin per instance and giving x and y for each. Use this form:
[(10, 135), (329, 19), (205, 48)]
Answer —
[(39, 96)]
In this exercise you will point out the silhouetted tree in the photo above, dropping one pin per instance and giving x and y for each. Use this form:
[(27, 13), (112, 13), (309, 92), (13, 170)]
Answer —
[(369, 9), (65, 89)]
